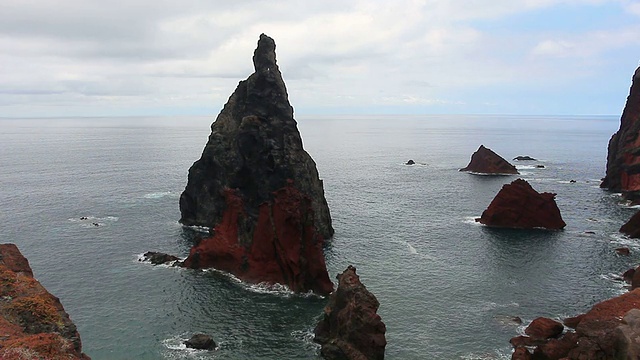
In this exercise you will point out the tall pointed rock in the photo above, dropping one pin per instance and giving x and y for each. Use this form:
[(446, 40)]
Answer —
[(623, 159), (259, 189)]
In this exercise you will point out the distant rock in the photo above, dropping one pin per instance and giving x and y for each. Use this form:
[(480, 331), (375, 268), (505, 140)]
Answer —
[(518, 205), (350, 328), (485, 161), (33, 323), (572, 181), (524, 158), (632, 227), (623, 159), (410, 162), (201, 342), (158, 258), (540, 166), (259, 189)]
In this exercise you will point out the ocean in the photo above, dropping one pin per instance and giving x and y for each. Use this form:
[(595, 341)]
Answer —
[(447, 286)]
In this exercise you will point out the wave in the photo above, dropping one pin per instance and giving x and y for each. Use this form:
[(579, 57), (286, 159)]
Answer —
[(621, 239), (471, 220), (306, 337), (93, 221), (158, 195), (499, 354), (139, 258), (202, 229), (529, 167), (490, 174)]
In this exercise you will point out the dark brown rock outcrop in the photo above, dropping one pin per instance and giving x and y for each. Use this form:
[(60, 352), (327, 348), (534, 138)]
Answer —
[(350, 328), (259, 189), (623, 158), (32, 321), (632, 227), (518, 205), (485, 161)]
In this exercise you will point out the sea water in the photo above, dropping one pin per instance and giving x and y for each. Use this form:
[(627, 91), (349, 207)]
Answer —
[(447, 286)]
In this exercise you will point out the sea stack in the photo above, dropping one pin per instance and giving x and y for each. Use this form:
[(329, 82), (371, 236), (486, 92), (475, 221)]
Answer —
[(350, 328), (33, 322), (258, 189), (518, 205), (486, 162), (623, 159)]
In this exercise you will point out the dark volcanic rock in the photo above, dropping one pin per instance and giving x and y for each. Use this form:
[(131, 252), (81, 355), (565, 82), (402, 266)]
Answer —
[(201, 342), (350, 328), (259, 189), (518, 205), (524, 158), (632, 227), (410, 162), (33, 322), (544, 328), (623, 251), (623, 159), (157, 258), (485, 161)]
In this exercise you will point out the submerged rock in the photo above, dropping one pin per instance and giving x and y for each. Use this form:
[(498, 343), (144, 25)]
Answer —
[(259, 189), (518, 205), (201, 342), (632, 227), (524, 158), (485, 161), (32, 321), (158, 258), (623, 158), (350, 328)]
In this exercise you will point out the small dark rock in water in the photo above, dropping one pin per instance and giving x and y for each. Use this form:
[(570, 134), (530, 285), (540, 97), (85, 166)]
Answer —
[(95, 224), (157, 258), (410, 162), (201, 342), (623, 251), (83, 218), (516, 319), (572, 181), (524, 158), (540, 166), (590, 232)]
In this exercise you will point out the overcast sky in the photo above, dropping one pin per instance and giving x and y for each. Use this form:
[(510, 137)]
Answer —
[(161, 57)]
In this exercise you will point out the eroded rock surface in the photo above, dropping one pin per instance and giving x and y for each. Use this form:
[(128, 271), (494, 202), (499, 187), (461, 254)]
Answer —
[(632, 227), (259, 189), (33, 322), (518, 205), (485, 161), (623, 159), (350, 328)]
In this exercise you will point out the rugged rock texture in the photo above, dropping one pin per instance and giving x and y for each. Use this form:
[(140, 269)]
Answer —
[(350, 328), (544, 328), (601, 333), (201, 342), (33, 323), (623, 159), (158, 258), (524, 158), (632, 227), (485, 161), (259, 189), (519, 206)]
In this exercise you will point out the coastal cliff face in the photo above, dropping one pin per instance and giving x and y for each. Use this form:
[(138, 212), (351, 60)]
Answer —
[(485, 161), (33, 323), (259, 189), (623, 159), (351, 329), (519, 206)]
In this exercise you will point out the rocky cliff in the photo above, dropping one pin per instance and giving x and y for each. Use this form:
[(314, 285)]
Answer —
[(259, 189), (632, 227), (350, 328), (518, 205), (33, 323), (485, 161), (623, 159)]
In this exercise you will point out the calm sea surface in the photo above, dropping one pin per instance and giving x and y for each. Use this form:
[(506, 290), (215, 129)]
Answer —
[(446, 285)]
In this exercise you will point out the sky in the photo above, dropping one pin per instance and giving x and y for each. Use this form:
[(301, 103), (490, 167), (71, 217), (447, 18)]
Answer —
[(65, 58)]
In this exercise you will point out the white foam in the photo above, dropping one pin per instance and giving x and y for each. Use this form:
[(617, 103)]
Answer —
[(471, 220), (92, 219), (178, 350), (306, 337), (202, 229), (158, 195), (621, 239), (490, 174), (496, 355), (528, 167), (490, 305), (140, 259), (412, 250)]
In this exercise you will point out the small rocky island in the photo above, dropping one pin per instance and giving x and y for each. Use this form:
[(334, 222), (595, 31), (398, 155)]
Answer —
[(623, 159), (33, 323), (350, 328), (259, 190), (486, 162), (518, 205)]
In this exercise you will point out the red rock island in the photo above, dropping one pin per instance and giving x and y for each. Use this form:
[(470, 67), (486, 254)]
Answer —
[(623, 159), (259, 190), (486, 162), (33, 323), (518, 205)]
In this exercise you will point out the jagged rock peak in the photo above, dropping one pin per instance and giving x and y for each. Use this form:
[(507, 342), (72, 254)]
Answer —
[(264, 57)]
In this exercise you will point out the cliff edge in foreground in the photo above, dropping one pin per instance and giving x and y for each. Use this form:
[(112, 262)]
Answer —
[(259, 189), (33, 323), (623, 158)]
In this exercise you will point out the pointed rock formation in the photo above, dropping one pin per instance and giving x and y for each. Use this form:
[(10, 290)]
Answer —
[(350, 328), (518, 205), (623, 159), (259, 189), (485, 161), (33, 322)]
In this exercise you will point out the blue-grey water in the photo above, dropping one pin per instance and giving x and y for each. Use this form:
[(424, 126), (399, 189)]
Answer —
[(445, 284)]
